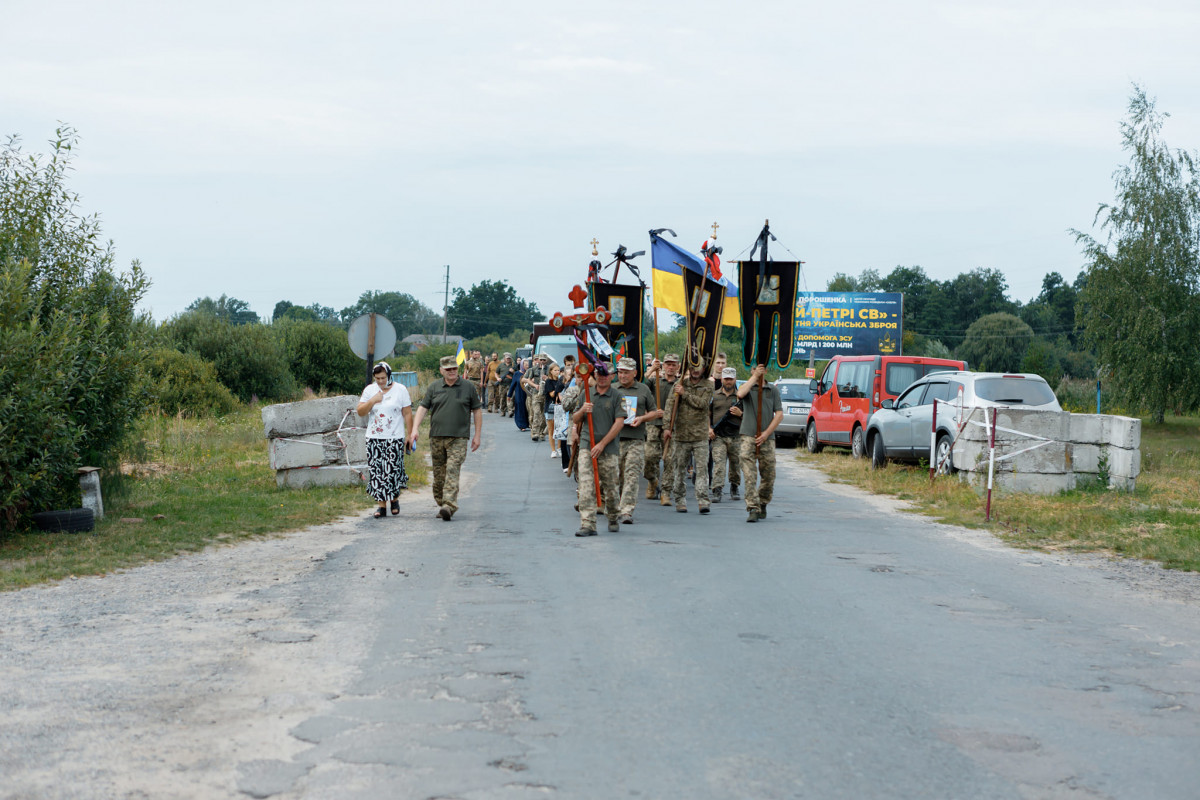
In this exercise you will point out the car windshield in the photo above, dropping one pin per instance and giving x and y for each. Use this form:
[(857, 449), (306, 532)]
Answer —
[(1014, 391), (796, 392)]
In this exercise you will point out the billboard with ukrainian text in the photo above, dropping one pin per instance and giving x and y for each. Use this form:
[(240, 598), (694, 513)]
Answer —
[(848, 324)]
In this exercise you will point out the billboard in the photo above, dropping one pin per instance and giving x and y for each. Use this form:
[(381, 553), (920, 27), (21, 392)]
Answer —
[(848, 324)]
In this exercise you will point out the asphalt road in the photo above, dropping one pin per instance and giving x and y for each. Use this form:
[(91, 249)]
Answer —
[(838, 649)]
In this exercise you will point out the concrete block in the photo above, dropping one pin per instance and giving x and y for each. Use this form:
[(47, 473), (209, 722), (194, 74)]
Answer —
[(1124, 463), (1047, 424), (1085, 458), (1123, 432), (1018, 482), (1087, 429), (332, 475), (318, 449), (310, 416), (1050, 458)]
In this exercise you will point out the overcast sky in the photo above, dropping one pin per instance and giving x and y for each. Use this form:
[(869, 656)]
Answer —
[(310, 151)]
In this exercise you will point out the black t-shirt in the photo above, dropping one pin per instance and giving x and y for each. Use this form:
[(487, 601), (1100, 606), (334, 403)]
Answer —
[(553, 389)]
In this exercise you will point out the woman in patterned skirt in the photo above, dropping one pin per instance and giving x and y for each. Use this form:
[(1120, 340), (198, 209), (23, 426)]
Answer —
[(388, 410)]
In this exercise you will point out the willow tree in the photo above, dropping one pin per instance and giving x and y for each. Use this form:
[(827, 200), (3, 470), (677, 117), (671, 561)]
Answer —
[(1140, 305)]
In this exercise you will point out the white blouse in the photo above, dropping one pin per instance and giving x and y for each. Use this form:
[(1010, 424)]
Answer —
[(385, 420)]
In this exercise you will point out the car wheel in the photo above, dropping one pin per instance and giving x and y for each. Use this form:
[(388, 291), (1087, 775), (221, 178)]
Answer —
[(878, 458), (858, 444), (941, 452), (811, 439)]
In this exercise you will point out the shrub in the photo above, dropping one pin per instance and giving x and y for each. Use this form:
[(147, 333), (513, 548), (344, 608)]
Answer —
[(320, 357), (248, 359), (184, 383), (69, 349)]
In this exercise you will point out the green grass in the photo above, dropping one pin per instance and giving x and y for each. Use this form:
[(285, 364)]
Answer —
[(1159, 521), (210, 481)]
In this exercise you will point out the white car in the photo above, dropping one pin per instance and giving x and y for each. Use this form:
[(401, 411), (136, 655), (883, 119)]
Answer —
[(797, 400), (901, 429)]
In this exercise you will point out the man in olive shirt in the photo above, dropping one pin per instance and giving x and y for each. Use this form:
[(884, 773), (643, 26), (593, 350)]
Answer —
[(756, 444), (661, 378), (640, 408), (688, 440), (504, 377), (450, 403), (535, 404), (608, 418), (723, 435)]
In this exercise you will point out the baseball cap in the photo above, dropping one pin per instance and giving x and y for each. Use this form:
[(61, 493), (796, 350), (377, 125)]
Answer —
[(671, 357), (729, 372), (626, 363), (448, 361)]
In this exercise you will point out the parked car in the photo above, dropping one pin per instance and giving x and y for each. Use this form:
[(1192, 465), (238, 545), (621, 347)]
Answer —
[(797, 400), (903, 428), (853, 387)]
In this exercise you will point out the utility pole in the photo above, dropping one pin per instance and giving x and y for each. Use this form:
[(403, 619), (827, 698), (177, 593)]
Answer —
[(446, 304)]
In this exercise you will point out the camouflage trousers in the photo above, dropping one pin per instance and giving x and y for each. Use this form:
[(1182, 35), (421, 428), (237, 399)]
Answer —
[(447, 453), (609, 464), (504, 403), (757, 463), (696, 453), (536, 405), (654, 453), (725, 454), (493, 397), (632, 463)]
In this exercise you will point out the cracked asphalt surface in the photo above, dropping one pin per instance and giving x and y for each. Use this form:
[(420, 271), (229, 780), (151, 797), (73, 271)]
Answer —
[(840, 648)]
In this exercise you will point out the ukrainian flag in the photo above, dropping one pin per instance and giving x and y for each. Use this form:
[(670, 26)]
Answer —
[(461, 356), (667, 262)]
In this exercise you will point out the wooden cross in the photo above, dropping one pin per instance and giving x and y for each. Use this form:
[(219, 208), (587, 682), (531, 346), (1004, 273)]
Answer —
[(595, 242), (577, 296)]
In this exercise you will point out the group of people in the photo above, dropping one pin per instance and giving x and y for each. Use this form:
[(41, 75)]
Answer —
[(667, 429)]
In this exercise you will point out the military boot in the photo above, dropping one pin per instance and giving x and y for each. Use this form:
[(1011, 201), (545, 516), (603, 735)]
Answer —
[(733, 493), (651, 490), (716, 495)]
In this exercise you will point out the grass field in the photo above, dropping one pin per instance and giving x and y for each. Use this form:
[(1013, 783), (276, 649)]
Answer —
[(210, 481), (1159, 521)]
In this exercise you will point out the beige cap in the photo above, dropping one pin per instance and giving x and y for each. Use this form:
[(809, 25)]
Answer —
[(671, 357), (447, 362), (626, 363), (729, 372)]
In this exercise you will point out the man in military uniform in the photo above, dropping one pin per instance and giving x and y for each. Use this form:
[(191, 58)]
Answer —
[(490, 383), (451, 404), (661, 378), (688, 440), (756, 443), (608, 419), (534, 405), (640, 408), (723, 436), (504, 377)]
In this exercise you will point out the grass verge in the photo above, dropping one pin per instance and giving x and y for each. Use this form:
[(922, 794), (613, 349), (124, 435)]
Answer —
[(210, 481), (1159, 521)]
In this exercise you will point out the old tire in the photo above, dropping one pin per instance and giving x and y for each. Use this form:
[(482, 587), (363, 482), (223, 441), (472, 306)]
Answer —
[(878, 458), (70, 520), (941, 451), (858, 442), (810, 437)]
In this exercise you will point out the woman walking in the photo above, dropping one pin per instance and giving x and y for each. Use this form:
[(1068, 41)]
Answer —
[(517, 392), (552, 388), (388, 410)]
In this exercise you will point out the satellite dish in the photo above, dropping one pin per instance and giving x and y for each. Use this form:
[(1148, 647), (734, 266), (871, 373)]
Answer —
[(360, 336)]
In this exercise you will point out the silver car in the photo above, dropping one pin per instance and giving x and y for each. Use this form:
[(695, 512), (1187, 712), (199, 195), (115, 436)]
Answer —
[(797, 400), (902, 429)]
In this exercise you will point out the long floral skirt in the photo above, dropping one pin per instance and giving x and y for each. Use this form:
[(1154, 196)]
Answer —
[(385, 468)]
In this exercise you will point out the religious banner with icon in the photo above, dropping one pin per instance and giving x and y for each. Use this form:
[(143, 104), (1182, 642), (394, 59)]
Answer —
[(706, 306), (624, 303), (768, 297)]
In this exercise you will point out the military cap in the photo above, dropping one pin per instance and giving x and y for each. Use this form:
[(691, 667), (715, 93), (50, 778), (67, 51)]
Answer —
[(626, 363), (671, 357), (447, 362), (729, 372)]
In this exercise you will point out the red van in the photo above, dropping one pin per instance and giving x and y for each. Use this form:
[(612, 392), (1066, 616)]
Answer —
[(852, 387)]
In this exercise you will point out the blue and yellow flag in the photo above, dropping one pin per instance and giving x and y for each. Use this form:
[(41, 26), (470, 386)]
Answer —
[(668, 261), (461, 356)]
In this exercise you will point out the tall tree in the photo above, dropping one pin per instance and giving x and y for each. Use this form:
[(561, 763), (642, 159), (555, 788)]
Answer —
[(1140, 307), (227, 309), (490, 307), (996, 343), (406, 313)]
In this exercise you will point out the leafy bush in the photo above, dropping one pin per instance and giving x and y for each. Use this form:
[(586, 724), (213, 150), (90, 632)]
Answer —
[(249, 360), (184, 383), (996, 343), (320, 357), (69, 350), (427, 358)]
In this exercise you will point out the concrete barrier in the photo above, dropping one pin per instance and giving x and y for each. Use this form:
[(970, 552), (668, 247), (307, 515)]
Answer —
[(1044, 452), (316, 442)]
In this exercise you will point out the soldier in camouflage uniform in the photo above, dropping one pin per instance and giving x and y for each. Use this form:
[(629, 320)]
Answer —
[(723, 436), (534, 403), (757, 442), (689, 438), (504, 378), (608, 419), (640, 408), (661, 378), (451, 404)]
